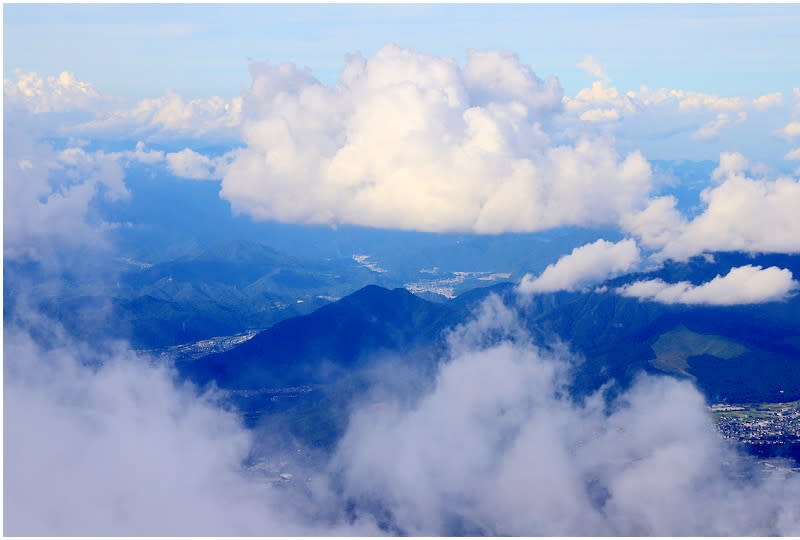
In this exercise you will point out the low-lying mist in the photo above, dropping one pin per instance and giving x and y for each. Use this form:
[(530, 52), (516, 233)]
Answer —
[(100, 440)]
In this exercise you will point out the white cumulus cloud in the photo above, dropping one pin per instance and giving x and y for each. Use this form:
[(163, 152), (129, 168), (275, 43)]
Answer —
[(740, 213), (195, 166), (767, 101), (654, 120), (172, 115), (599, 115), (165, 117), (590, 66), (743, 285), (658, 224), (60, 93), (412, 141), (792, 129), (47, 194), (600, 96), (585, 265), (699, 100)]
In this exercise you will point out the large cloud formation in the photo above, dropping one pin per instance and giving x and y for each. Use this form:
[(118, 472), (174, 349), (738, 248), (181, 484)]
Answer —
[(743, 285), (412, 141), (585, 265)]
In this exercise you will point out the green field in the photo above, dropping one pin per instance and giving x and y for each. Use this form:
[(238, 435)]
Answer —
[(674, 348)]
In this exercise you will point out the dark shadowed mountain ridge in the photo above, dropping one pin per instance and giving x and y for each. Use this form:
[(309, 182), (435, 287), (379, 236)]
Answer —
[(334, 340)]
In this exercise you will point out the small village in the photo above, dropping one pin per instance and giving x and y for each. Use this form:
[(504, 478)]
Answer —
[(763, 423)]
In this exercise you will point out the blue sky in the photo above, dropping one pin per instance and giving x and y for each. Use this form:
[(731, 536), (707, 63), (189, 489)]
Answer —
[(140, 50)]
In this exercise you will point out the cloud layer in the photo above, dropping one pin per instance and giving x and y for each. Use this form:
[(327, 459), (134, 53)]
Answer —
[(166, 117), (585, 265), (743, 285), (632, 102), (100, 441)]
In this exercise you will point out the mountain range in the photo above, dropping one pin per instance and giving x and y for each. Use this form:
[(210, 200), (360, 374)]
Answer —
[(736, 354)]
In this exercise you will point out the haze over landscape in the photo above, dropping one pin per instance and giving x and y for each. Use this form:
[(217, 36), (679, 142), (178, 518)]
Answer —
[(401, 270)]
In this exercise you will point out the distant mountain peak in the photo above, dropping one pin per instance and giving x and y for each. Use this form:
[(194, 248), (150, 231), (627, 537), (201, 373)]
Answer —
[(377, 290)]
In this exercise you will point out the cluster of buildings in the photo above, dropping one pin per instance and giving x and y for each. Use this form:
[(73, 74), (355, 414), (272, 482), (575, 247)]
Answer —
[(767, 423)]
